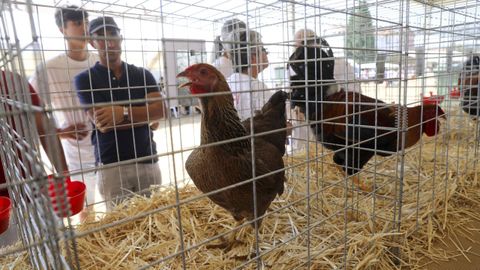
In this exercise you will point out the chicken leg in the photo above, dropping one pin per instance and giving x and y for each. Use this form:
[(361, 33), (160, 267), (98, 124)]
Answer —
[(356, 181), (227, 243), (362, 186)]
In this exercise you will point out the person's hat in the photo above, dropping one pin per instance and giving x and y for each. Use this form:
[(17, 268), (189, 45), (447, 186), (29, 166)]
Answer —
[(102, 22)]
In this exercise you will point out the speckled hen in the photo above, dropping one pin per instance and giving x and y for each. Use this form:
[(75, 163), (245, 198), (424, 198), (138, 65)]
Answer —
[(214, 166)]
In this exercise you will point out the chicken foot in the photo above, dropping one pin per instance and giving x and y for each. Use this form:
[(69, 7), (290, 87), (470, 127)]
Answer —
[(362, 186), (356, 180), (227, 243)]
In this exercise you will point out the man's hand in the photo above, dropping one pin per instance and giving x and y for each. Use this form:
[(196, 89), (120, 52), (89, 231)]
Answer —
[(74, 132), (107, 117), (154, 125)]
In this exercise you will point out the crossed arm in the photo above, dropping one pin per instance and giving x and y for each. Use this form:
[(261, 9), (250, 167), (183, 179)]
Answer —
[(106, 118)]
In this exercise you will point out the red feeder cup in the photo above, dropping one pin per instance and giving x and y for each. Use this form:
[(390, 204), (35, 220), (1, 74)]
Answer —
[(75, 196), (455, 93), (433, 99), (5, 206)]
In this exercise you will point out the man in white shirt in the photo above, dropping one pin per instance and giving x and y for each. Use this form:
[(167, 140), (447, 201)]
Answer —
[(249, 59), (56, 80)]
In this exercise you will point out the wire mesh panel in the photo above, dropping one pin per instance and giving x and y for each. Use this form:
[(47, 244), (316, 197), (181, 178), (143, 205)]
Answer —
[(325, 134), (25, 122)]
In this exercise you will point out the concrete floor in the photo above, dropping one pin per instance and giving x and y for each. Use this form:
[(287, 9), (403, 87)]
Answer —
[(175, 139), (461, 262)]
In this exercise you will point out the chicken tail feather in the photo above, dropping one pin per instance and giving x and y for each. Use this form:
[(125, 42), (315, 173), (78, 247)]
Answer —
[(277, 100), (271, 117)]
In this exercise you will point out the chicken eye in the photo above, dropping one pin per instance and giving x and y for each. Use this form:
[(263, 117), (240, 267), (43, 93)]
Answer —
[(203, 71)]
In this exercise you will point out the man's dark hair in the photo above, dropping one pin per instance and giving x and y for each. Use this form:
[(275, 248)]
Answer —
[(69, 13)]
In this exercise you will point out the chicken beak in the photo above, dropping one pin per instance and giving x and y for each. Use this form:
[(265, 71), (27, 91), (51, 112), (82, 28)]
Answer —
[(184, 73), (187, 84)]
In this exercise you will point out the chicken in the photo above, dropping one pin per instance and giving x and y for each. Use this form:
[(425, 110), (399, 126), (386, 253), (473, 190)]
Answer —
[(218, 166), (468, 81), (355, 126)]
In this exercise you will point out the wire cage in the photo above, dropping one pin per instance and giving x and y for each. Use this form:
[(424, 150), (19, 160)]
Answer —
[(363, 187)]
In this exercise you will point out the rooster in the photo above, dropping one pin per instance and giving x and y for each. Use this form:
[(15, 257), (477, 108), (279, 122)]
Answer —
[(468, 81), (218, 166), (354, 126)]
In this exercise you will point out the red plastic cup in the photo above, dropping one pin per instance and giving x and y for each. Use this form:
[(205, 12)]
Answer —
[(455, 93), (432, 99), (75, 196), (5, 206)]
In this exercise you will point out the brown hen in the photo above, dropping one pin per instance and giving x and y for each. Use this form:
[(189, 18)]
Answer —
[(218, 166)]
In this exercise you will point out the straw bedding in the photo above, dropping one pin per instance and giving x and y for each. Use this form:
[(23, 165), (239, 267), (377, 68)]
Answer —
[(323, 223)]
